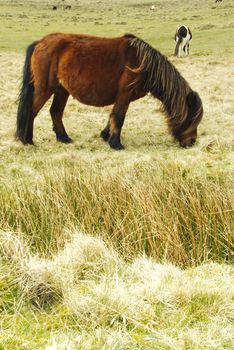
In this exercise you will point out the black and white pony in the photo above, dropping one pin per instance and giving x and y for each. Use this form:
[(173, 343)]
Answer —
[(183, 36)]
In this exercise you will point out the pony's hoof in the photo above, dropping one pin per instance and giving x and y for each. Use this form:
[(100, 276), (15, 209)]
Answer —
[(115, 143), (28, 142), (119, 147), (25, 141), (64, 139), (105, 135), (116, 146)]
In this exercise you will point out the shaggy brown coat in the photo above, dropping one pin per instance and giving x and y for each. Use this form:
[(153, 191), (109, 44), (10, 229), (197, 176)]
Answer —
[(100, 72)]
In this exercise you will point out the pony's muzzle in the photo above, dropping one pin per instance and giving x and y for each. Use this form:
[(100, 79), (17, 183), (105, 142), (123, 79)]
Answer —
[(188, 142), (188, 139)]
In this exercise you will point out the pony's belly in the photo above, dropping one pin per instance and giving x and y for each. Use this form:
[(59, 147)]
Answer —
[(93, 98), (92, 83), (91, 93)]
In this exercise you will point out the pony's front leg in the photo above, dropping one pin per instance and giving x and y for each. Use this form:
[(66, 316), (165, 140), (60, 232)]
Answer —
[(105, 133), (116, 123), (113, 129)]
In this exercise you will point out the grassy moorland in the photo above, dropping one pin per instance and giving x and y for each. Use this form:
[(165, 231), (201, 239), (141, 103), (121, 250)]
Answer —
[(153, 266)]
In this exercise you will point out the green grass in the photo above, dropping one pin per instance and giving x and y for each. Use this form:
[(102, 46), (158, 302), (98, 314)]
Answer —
[(163, 279), (23, 23)]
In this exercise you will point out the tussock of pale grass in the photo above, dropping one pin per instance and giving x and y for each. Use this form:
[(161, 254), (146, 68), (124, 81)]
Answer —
[(44, 280), (13, 248), (33, 274), (139, 305), (86, 257), (101, 339)]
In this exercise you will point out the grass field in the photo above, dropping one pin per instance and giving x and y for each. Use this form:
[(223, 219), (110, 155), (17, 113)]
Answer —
[(153, 266)]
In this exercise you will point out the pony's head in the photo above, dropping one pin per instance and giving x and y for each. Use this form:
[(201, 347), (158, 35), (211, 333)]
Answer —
[(182, 106), (186, 131)]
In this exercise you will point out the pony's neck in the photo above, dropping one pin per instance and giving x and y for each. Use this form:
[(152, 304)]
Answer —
[(161, 78), (171, 89)]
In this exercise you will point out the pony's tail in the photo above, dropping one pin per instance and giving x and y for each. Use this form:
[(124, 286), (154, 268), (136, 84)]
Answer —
[(178, 45), (25, 99)]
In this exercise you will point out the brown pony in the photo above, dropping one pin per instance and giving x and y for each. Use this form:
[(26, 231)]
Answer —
[(100, 72)]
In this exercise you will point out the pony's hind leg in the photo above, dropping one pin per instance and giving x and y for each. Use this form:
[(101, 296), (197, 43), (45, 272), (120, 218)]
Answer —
[(187, 49), (56, 110), (180, 51), (38, 102)]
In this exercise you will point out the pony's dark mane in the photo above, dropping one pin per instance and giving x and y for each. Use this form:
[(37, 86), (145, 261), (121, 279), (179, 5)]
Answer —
[(162, 79)]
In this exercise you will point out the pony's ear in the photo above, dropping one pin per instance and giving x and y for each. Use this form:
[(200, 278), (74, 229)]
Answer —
[(193, 100)]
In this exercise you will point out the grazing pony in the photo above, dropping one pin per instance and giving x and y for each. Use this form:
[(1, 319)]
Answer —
[(100, 72), (183, 36)]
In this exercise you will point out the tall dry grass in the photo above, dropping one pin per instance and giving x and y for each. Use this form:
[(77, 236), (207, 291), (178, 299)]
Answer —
[(165, 211)]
